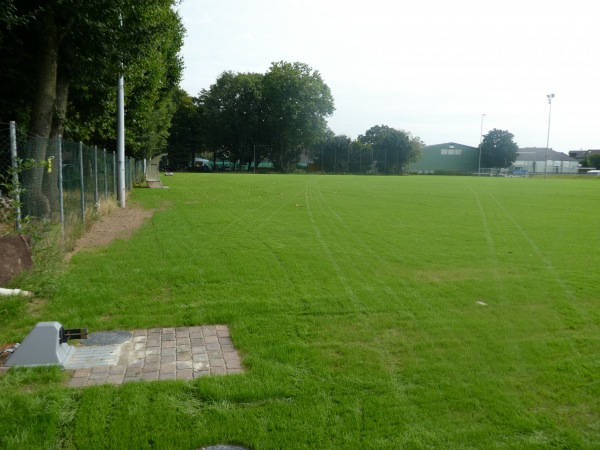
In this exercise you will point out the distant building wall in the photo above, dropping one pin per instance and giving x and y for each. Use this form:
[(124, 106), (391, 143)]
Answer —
[(447, 158), (533, 160)]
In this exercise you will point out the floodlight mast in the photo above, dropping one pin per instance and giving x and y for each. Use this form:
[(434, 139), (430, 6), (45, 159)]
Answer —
[(550, 97), (480, 136), (121, 135)]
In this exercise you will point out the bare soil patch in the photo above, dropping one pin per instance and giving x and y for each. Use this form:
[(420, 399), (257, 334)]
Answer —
[(121, 223)]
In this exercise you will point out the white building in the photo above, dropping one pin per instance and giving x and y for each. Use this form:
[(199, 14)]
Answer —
[(533, 160)]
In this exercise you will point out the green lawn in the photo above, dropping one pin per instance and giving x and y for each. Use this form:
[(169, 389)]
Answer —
[(370, 312)]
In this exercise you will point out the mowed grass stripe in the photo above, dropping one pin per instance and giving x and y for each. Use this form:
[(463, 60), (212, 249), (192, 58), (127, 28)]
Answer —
[(354, 302)]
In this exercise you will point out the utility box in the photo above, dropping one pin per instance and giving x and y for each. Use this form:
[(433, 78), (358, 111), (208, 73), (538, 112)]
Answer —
[(43, 346)]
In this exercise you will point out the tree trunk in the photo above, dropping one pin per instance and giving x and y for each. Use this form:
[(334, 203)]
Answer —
[(60, 108), (50, 182), (35, 201), (46, 74)]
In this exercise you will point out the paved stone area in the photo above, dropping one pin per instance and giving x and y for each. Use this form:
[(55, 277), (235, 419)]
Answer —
[(157, 354)]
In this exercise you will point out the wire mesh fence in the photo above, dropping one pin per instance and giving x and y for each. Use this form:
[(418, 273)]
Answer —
[(55, 179)]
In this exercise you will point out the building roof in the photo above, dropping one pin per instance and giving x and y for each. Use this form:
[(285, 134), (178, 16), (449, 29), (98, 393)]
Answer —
[(449, 145), (539, 154), (581, 154)]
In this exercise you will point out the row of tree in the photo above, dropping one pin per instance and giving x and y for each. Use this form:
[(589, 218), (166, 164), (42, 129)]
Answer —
[(61, 61), (276, 116)]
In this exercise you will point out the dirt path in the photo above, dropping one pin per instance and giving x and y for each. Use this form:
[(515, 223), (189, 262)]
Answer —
[(121, 223)]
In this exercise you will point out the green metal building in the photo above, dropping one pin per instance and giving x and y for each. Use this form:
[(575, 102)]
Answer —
[(448, 158)]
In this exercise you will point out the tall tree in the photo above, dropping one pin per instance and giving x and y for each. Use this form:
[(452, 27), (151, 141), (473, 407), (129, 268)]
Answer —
[(392, 149), (184, 135), (231, 115), (335, 154), (274, 115), (296, 104), (498, 150)]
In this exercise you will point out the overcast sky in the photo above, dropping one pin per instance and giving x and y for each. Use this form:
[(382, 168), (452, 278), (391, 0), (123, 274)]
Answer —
[(430, 67)]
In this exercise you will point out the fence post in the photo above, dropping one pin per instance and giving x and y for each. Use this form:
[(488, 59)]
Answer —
[(116, 189), (15, 166), (61, 192), (82, 182), (105, 177), (96, 178)]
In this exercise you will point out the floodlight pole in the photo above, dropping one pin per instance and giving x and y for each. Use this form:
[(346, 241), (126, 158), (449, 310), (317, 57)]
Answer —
[(480, 136), (121, 134), (550, 97)]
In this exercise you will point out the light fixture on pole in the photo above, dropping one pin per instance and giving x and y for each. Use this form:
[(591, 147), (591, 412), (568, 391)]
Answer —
[(480, 136), (550, 97)]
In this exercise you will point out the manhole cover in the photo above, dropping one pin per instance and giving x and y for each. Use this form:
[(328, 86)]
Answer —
[(106, 338)]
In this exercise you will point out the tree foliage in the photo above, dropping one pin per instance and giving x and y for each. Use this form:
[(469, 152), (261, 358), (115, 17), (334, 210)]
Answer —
[(274, 115), (498, 150), (392, 149), (184, 139), (592, 161), (63, 60)]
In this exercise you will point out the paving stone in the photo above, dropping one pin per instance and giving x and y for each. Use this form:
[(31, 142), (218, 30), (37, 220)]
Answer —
[(82, 373), (151, 368), (230, 355), (227, 348), (117, 370), (209, 331), (200, 366), (211, 339), (152, 359), (216, 363), (168, 368), (130, 379), (150, 376), (185, 374), (232, 364), (183, 365), (180, 353), (114, 379), (167, 352), (168, 359), (166, 376), (98, 376)]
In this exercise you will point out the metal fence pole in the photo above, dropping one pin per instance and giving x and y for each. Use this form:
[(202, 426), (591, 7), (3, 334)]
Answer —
[(96, 178), (115, 188), (61, 192), (15, 166), (82, 182), (105, 177)]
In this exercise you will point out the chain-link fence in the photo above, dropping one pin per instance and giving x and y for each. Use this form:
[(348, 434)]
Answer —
[(56, 180)]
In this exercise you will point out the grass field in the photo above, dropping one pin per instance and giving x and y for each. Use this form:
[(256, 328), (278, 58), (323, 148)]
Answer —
[(370, 312)]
